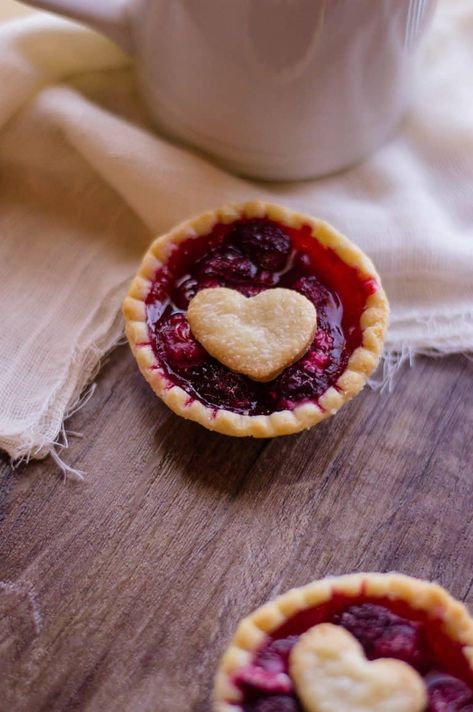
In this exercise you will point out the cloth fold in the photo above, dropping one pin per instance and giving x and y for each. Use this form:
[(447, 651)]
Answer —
[(85, 183)]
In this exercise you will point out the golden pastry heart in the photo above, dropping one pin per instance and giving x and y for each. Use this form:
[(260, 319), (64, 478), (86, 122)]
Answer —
[(257, 336), (332, 674)]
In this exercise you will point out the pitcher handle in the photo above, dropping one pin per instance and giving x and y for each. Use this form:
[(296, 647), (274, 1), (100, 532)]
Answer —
[(106, 16)]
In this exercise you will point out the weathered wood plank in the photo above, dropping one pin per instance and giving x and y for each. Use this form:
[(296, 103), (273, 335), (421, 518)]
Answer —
[(120, 593)]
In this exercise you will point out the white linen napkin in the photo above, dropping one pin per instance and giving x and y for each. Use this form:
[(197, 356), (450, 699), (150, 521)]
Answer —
[(85, 184)]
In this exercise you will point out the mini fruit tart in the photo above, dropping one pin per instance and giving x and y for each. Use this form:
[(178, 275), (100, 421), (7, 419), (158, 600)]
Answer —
[(356, 643), (255, 320)]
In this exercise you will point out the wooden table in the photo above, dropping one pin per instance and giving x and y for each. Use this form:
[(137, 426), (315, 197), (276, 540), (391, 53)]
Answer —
[(119, 594)]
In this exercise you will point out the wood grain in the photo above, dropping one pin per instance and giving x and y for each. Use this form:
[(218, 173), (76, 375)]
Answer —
[(121, 593)]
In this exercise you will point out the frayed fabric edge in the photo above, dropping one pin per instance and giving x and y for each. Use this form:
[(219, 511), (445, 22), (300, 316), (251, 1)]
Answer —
[(384, 378), (62, 441), (67, 471), (54, 449), (393, 360)]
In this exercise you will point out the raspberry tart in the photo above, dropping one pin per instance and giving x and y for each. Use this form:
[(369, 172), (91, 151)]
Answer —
[(255, 320), (355, 643)]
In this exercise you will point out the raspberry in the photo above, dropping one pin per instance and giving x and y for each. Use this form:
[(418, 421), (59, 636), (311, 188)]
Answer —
[(271, 683), (315, 362), (221, 387), (323, 341), (383, 634), (181, 349), (298, 384), (447, 693), (267, 245), (226, 265), (275, 656), (302, 262), (314, 290), (318, 358)]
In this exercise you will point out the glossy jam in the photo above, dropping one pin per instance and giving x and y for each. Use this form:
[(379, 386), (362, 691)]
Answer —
[(251, 256), (385, 628)]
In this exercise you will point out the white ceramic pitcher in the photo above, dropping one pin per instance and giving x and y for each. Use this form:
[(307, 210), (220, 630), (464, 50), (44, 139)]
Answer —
[(274, 89)]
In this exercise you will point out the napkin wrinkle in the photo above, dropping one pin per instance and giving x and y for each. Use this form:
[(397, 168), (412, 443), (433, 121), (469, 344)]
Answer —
[(88, 363), (39, 50), (136, 174), (86, 183)]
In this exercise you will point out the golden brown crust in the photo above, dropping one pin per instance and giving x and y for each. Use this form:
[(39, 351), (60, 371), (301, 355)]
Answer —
[(362, 362), (254, 630)]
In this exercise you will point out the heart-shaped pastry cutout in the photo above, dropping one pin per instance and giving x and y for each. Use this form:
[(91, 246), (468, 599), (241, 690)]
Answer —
[(331, 674), (258, 336)]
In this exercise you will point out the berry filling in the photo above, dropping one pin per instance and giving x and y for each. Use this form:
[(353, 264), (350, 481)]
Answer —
[(385, 629), (383, 634), (267, 245), (448, 693), (251, 256)]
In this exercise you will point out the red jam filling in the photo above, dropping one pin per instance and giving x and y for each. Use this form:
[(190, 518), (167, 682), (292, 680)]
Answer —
[(251, 256), (385, 629)]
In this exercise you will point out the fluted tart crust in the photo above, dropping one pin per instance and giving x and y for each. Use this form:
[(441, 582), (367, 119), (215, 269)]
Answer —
[(285, 405), (415, 624)]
